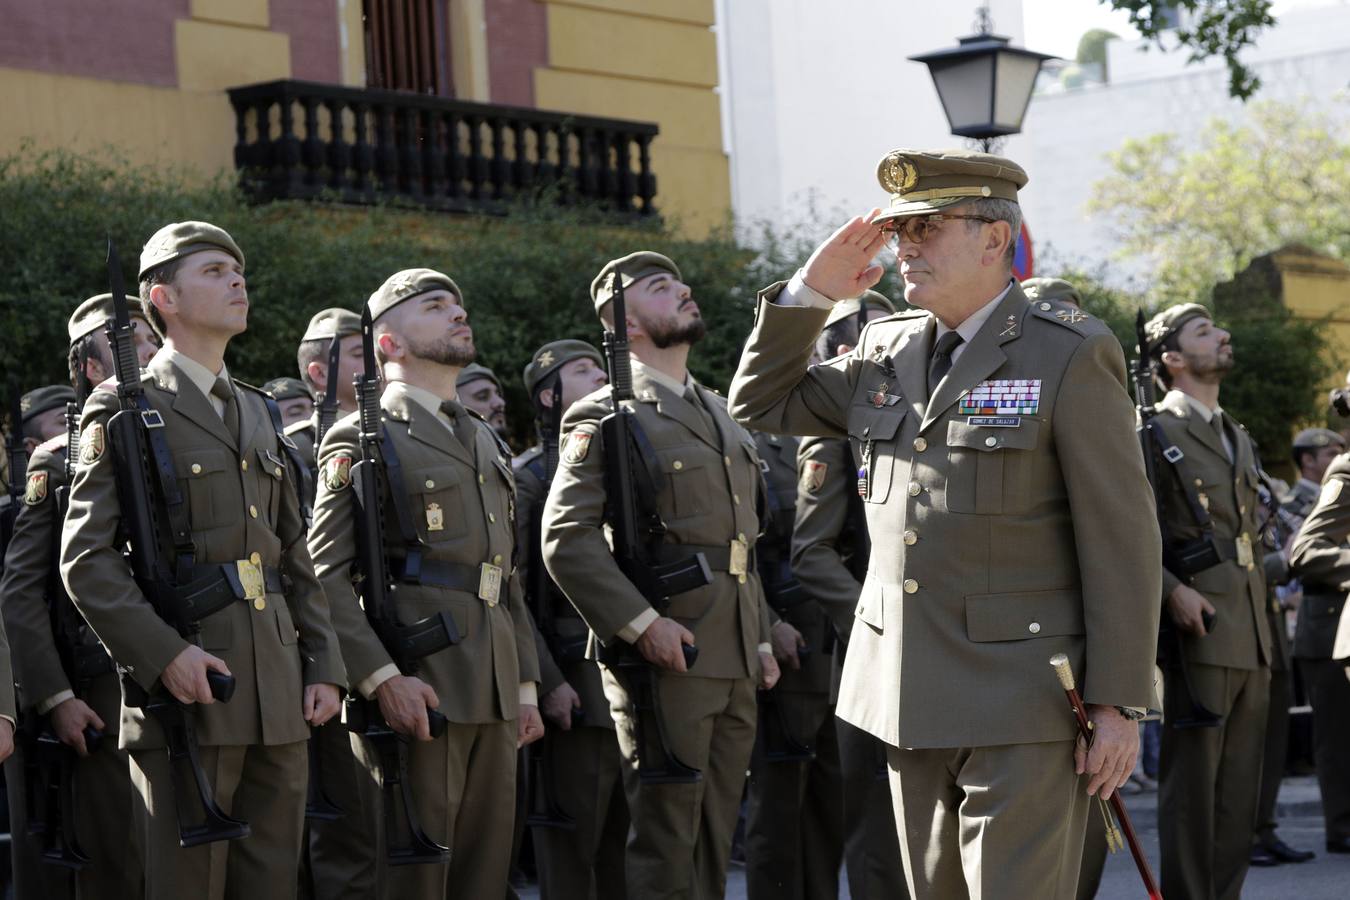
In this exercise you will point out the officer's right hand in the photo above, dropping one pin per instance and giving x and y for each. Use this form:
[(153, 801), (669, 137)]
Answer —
[(786, 641), (403, 703), (185, 677), (557, 705), (842, 266), (660, 644), (1187, 606), (69, 719)]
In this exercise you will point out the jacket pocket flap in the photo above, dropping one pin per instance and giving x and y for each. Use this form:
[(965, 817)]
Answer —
[(989, 438), (1321, 606), (1016, 617), (866, 423), (433, 479), (197, 463), (270, 463), (870, 604)]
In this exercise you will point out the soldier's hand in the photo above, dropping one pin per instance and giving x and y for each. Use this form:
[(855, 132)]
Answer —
[(403, 702), (322, 702), (1187, 606), (6, 739), (185, 676), (768, 670), (842, 266), (660, 644), (529, 727), (557, 705), (1115, 747), (786, 640), (69, 719)]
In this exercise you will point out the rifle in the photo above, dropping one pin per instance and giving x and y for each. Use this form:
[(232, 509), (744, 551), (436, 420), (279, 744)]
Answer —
[(328, 402), (135, 433), (374, 475), (636, 528), (1184, 559)]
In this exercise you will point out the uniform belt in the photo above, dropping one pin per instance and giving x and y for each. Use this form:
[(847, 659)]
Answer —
[(437, 573), (718, 556), (211, 587)]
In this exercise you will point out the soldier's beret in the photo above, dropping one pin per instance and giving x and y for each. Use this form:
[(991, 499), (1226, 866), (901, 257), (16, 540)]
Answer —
[(474, 372), (1317, 438), (408, 284), (91, 315), (182, 238), (333, 322), (845, 308), (926, 181), (631, 269), (1052, 289), (553, 356), (288, 389), (40, 400), (1168, 322)]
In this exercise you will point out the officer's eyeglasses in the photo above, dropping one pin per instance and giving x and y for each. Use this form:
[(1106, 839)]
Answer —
[(916, 230)]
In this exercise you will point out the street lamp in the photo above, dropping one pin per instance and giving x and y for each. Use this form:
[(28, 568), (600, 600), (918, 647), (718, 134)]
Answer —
[(984, 83)]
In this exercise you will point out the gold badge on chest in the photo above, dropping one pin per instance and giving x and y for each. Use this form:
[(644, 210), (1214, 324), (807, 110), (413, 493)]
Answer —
[(435, 517)]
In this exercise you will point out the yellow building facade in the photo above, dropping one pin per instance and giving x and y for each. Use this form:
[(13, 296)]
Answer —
[(153, 89)]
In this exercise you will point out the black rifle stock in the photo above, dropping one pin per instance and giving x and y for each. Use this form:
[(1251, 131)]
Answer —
[(632, 530), (363, 716), (1183, 559), (128, 436), (329, 402)]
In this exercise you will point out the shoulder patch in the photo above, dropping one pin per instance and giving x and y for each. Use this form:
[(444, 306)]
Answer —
[(92, 444), (337, 473), (813, 476), (576, 447), (36, 490)]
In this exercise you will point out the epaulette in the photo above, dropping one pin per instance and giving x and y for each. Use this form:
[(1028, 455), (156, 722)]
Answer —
[(527, 457), (501, 444), (254, 388), (1070, 317)]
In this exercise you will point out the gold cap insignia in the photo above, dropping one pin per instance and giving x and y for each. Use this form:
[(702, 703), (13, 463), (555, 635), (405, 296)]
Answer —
[(337, 473), (898, 174), (545, 359), (36, 491)]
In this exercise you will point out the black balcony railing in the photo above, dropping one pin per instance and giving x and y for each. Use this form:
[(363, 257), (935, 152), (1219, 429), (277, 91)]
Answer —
[(303, 140)]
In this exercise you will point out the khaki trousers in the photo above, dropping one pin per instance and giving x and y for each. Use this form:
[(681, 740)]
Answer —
[(585, 863), (339, 861), (794, 827), (263, 785), (1210, 783), (1329, 692), (989, 822), (681, 840)]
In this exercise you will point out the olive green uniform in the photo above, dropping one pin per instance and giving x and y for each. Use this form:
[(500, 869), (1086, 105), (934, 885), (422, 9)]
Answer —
[(1322, 562), (1210, 777), (795, 820), (997, 546), (462, 503), (242, 511), (829, 554), (102, 781), (583, 764), (707, 472)]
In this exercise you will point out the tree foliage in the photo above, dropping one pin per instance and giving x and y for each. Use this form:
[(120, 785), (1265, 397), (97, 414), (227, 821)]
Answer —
[(1217, 27), (1202, 214)]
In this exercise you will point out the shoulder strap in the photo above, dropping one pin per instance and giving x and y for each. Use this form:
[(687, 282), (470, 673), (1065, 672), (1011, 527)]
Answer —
[(184, 550), (1172, 455), (398, 496), (304, 478)]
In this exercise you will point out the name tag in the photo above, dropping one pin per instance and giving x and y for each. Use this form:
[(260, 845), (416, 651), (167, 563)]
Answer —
[(996, 421)]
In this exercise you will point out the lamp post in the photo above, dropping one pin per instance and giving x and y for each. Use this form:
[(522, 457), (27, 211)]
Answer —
[(984, 82)]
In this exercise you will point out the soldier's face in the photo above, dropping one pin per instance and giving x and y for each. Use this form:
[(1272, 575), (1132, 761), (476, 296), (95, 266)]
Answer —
[(147, 344), (435, 327), (208, 296), (48, 425), (1205, 349), (1315, 464), (663, 309), (579, 378), (948, 266), (350, 364), (297, 409), (481, 396)]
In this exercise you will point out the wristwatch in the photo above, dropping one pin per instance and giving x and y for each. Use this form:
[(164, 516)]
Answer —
[(1133, 713)]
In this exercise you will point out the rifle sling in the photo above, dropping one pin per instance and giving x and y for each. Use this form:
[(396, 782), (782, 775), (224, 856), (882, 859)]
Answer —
[(152, 424), (304, 477), (398, 497), (1173, 456)]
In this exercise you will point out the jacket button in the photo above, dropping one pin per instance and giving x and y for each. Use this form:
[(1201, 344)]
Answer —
[(481, 479), (677, 465), (430, 484), (1034, 628), (914, 489), (260, 604), (497, 560), (911, 586), (255, 557), (1045, 307), (920, 444), (243, 465), (727, 460), (910, 536), (741, 578), (492, 517), (736, 499), (253, 511), (196, 468), (991, 442)]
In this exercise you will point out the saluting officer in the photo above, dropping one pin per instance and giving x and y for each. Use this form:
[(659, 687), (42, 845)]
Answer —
[(706, 475), (45, 685), (460, 498), (999, 467), (582, 757), (241, 514), (830, 547), (1210, 777)]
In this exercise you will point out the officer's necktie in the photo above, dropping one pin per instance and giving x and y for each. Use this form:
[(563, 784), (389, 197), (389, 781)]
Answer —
[(460, 424), (230, 414), (940, 363), (709, 423), (1216, 422)]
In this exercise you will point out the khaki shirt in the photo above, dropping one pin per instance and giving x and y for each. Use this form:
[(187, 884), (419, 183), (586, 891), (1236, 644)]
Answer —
[(708, 483), (997, 538), (241, 506), (462, 501)]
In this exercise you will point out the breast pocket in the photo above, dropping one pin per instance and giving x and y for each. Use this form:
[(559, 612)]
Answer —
[(876, 429), (438, 512), (988, 468), (688, 476), (201, 476)]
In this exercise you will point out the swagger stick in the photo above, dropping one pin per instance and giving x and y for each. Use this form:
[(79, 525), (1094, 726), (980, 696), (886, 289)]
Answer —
[(1064, 672)]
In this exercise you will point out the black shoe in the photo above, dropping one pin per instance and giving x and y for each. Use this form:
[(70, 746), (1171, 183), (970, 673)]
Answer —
[(1283, 852), (1340, 845), (1262, 857)]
